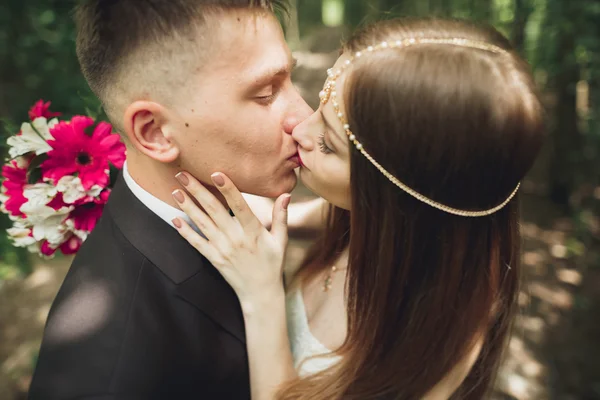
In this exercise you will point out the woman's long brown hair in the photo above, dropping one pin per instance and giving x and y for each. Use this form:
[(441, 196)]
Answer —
[(461, 126)]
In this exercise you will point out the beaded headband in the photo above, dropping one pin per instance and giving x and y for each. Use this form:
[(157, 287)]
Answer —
[(329, 91)]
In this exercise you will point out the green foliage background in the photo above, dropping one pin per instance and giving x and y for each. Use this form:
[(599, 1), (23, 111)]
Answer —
[(560, 38)]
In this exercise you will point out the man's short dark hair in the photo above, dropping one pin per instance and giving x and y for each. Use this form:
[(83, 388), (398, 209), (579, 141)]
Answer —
[(111, 33)]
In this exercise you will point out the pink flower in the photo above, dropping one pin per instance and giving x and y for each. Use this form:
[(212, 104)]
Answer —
[(57, 202), (76, 152), (86, 216), (15, 179), (71, 245), (41, 109), (46, 249), (102, 198)]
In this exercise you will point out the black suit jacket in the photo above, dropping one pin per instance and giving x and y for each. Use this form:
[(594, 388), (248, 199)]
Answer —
[(141, 315)]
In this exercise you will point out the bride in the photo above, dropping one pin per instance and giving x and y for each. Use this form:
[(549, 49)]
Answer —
[(424, 132)]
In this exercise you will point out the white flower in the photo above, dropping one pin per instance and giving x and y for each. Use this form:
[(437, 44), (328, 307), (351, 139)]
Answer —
[(20, 235), (22, 162), (3, 200), (52, 229), (38, 196), (70, 224), (14, 218), (72, 189), (29, 140), (47, 222), (36, 213)]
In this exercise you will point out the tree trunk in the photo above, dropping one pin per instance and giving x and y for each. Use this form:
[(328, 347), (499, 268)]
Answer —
[(310, 15), (482, 10), (566, 137), (292, 31), (523, 10), (442, 8), (423, 7), (356, 12), (396, 6)]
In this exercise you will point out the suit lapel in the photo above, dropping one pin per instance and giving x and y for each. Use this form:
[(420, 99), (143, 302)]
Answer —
[(197, 280)]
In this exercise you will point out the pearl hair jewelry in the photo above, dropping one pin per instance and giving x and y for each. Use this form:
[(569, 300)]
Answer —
[(329, 92)]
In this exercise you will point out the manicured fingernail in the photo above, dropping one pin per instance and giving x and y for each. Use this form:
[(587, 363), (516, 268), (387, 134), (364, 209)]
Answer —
[(182, 178), (177, 223), (286, 201), (218, 179), (177, 195)]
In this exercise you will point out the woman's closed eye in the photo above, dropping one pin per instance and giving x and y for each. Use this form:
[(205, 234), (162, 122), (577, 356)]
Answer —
[(325, 149)]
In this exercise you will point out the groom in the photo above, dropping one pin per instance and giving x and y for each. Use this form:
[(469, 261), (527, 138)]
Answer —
[(194, 85)]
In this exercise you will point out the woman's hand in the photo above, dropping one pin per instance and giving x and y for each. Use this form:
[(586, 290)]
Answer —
[(247, 255)]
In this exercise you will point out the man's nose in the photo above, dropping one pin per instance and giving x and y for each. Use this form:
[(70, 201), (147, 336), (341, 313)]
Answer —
[(300, 111), (302, 135)]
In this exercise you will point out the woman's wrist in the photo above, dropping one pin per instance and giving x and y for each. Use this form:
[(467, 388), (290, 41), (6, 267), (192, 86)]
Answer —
[(265, 303)]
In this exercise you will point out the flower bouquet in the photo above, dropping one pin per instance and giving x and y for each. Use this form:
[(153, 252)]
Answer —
[(57, 179)]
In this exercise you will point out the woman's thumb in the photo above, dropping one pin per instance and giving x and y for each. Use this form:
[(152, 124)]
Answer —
[(280, 217)]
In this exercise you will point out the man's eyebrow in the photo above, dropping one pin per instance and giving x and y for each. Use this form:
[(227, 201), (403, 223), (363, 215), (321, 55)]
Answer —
[(263, 78)]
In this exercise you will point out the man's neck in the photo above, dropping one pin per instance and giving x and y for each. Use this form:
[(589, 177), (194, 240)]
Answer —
[(158, 179)]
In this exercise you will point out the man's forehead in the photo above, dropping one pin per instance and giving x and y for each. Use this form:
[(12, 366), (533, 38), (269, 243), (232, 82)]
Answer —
[(253, 44), (236, 28)]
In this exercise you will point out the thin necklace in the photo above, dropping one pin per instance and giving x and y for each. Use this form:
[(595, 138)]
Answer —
[(329, 277)]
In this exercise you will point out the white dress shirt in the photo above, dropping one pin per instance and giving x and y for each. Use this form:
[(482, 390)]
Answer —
[(165, 211)]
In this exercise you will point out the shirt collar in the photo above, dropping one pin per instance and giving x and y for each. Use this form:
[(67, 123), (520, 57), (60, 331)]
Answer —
[(165, 211)]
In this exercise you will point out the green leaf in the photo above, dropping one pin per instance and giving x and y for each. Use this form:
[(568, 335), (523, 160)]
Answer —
[(34, 176), (114, 171), (37, 161), (90, 113), (10, 127), (90, 130)]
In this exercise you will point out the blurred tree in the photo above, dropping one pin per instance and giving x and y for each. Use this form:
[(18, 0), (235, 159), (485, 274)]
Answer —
[(37, 60), (562, 29), (310, 15), (482, 9), (37, 57), (399, 7), (290, 25), (443, 7), (522, 11), (333, 13), (356, 12)]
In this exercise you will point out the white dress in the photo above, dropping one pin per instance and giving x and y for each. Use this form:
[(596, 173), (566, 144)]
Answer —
[(302, 341)]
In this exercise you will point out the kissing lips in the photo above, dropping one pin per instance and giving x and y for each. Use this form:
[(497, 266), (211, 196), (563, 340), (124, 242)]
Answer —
[(300, 161), (296, 160)]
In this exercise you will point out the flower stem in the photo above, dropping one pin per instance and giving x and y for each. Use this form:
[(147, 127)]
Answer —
[(38, 132)]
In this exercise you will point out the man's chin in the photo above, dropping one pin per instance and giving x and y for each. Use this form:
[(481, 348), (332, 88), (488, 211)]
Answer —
[(283, 185)]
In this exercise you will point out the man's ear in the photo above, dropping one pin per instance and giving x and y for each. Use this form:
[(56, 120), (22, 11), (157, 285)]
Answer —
[(144, 123)]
